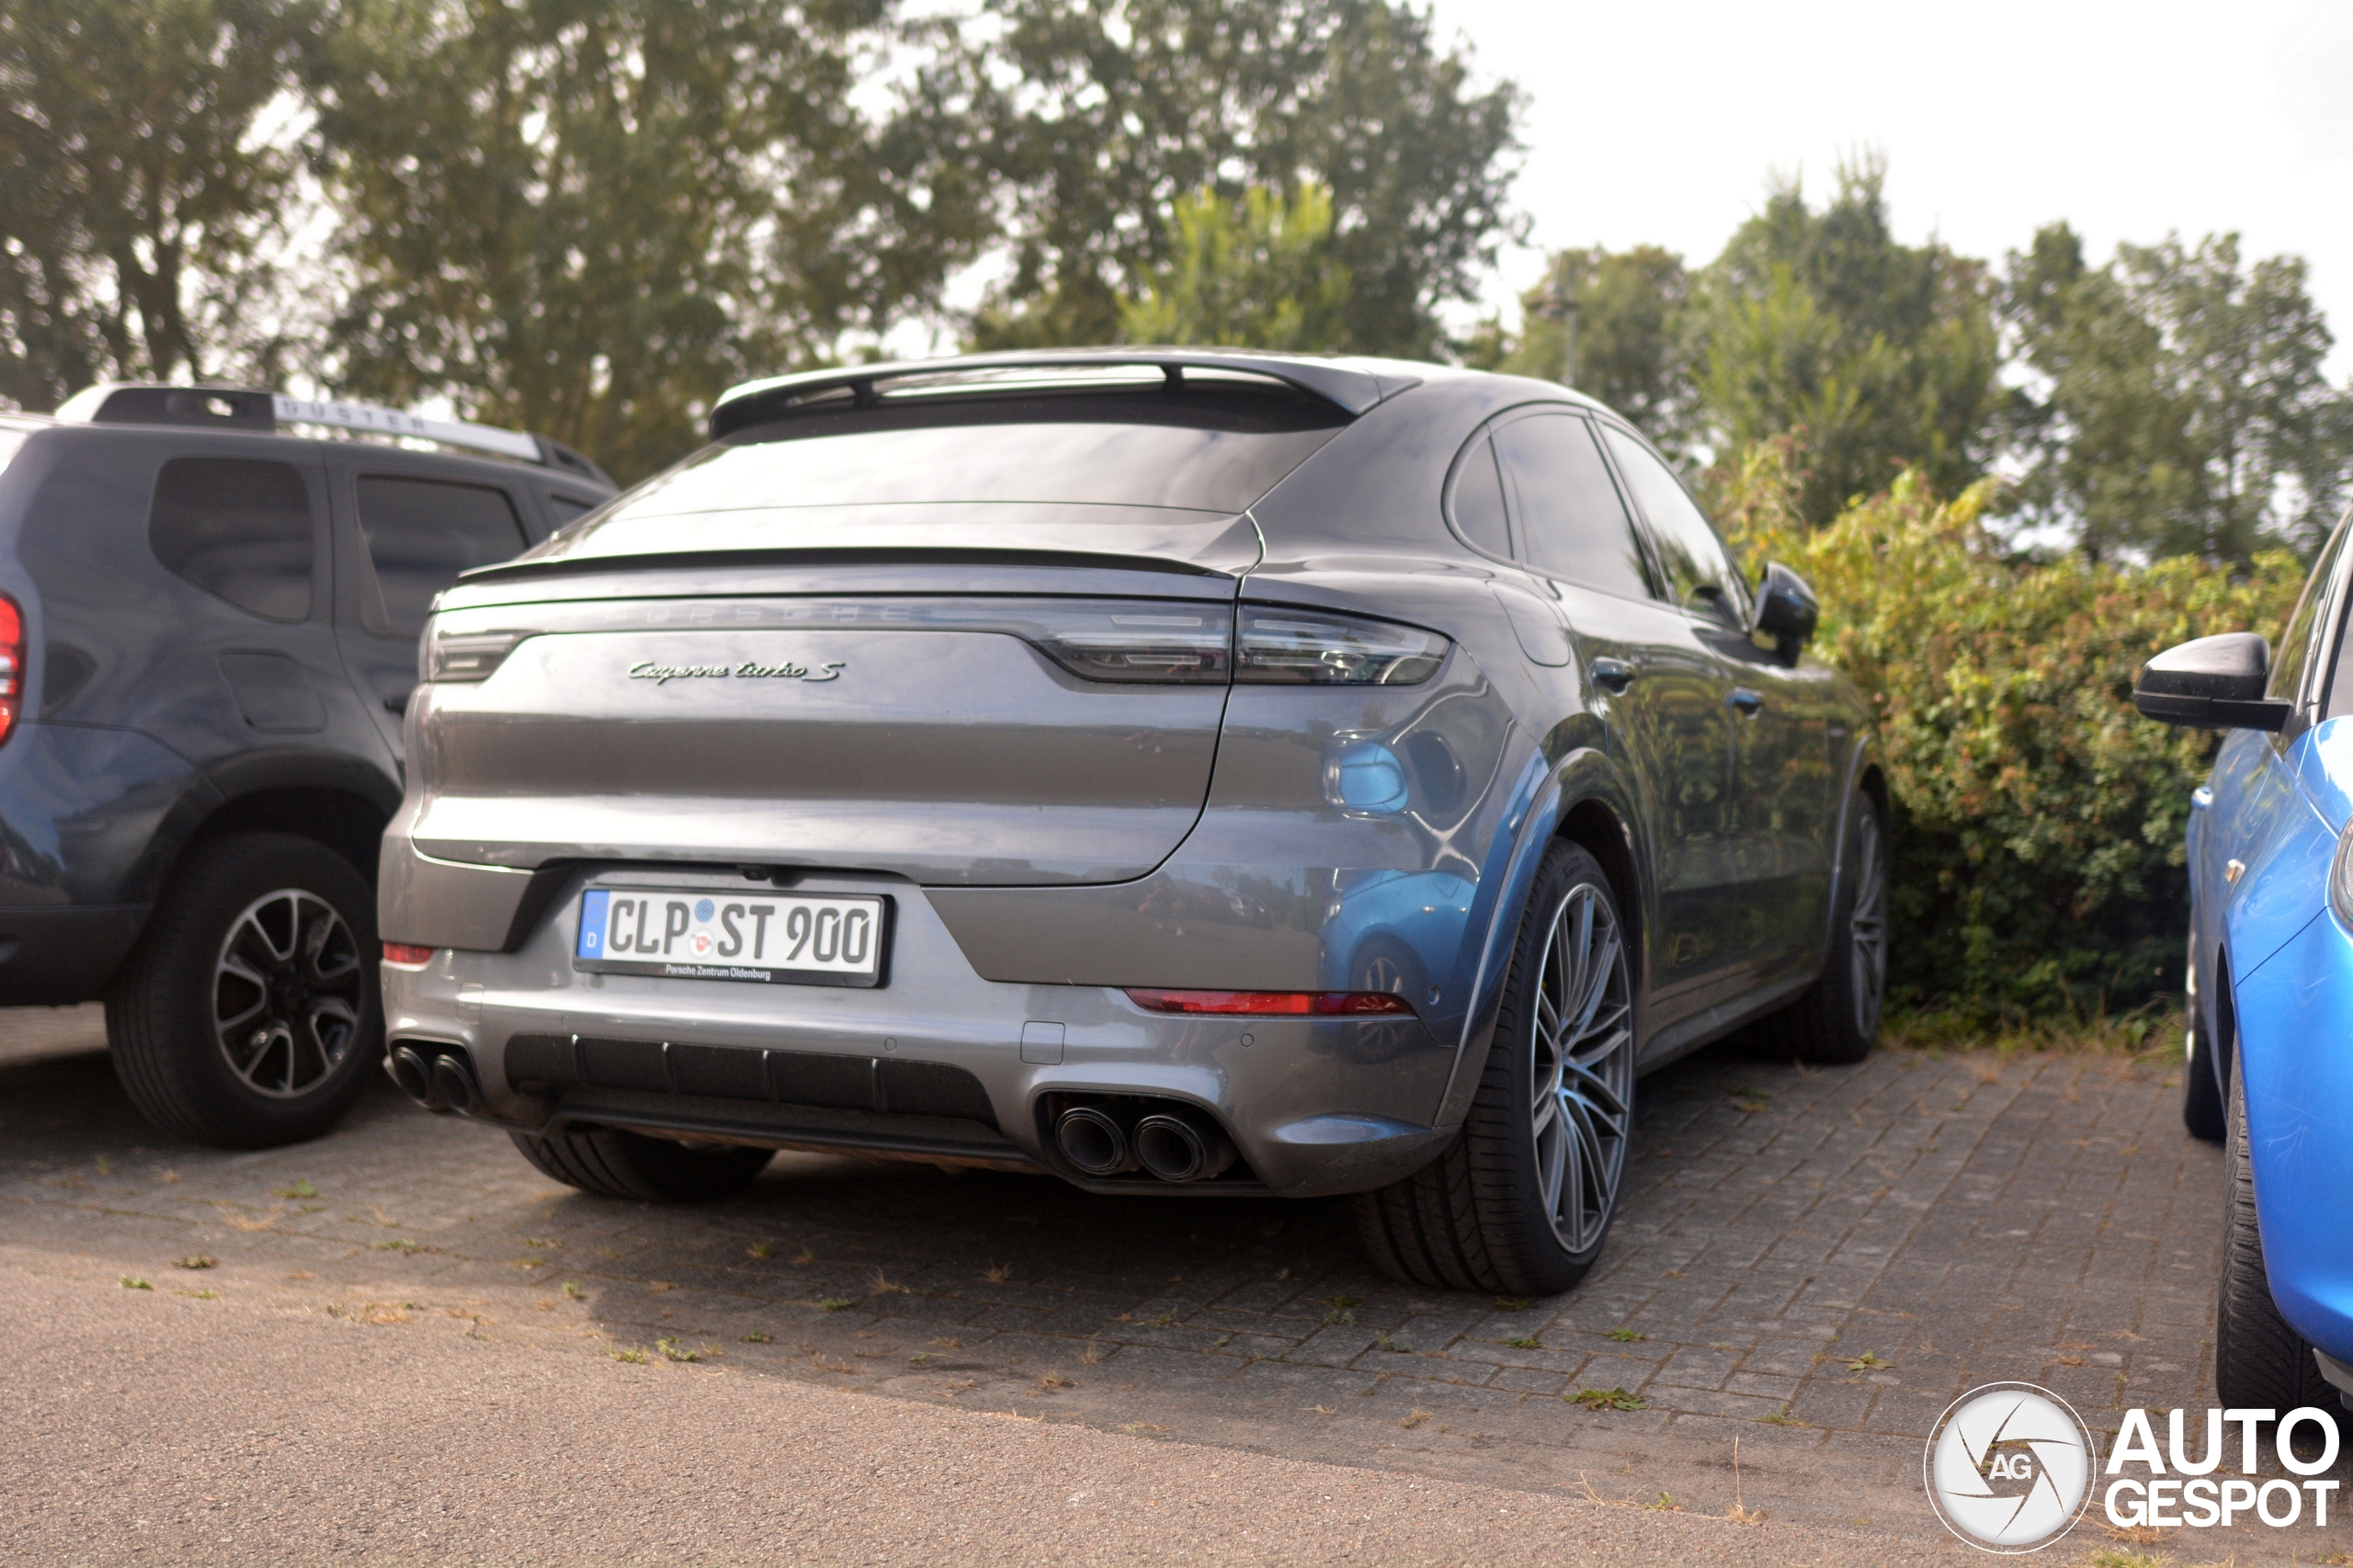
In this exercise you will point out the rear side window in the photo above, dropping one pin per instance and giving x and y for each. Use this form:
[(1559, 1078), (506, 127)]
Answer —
[(240, 529), (566, 508), (1699, 573), (2296, 643), (1571, 523), (421, 533), (1479, 501)]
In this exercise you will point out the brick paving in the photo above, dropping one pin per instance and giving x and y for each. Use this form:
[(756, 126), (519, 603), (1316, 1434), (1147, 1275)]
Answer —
[(1944, 1221)]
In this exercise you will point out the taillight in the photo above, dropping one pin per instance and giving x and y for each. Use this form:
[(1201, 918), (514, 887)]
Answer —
[(1144, 645), (12, 665), (464, 656), (1283, 647), (1272, 1004), (407, 955)]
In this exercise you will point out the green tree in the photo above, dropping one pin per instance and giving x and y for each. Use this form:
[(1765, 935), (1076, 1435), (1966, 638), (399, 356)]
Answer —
[(1885, 355), (2180, 406), (1633, 351), (140, 192), (1259, 278), (588, 216), (1120, 108)]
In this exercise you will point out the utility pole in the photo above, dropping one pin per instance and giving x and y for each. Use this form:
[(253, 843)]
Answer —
[(1560, 304)]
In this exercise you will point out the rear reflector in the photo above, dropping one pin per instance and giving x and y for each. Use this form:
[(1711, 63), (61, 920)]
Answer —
[(1278, 1003), (407, 954)]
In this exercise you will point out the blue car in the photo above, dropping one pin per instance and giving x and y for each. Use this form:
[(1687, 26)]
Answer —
[(2270, 977)]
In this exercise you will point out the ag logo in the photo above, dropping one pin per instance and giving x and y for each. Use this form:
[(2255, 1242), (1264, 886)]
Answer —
[(2009, 1467)]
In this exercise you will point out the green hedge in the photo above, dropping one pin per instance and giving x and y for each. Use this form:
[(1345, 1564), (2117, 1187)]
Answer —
[(2039, 820)]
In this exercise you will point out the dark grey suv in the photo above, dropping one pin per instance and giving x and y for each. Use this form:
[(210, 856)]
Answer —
[(208, 630), (1178, 772)]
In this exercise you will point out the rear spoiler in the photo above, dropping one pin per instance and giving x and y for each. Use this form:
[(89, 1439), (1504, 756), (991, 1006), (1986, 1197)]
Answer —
[(1351, 386), (241, 408)]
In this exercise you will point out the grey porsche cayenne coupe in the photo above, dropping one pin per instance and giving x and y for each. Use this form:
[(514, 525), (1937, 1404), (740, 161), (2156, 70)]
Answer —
[(1183, 772)]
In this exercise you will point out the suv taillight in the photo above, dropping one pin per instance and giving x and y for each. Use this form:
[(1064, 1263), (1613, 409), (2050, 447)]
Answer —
[(12, 665)]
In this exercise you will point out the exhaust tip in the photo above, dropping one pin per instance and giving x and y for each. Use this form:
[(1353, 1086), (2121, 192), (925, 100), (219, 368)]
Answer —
[(1182, 1148), (455, 1082), (413, 1074), (1094, 1142)]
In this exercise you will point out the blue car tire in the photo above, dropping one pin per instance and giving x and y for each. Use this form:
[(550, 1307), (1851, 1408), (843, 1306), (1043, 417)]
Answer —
[(2202, 1093), (2259, 1361)]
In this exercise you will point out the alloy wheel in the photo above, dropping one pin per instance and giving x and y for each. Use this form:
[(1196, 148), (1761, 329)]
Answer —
[(1868, 925), (1582, 1079), (287, 993)]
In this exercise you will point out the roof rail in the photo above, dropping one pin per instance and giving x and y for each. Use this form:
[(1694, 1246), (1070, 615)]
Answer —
[(243, 408), (1350, 387)]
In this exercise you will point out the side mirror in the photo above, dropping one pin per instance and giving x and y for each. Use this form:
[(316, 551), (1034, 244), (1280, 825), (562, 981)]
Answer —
[(2215, 683), (1786, 610)]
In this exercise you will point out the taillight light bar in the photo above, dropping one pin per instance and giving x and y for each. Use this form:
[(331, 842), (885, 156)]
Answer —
[(1273, 1004), (12, 665)]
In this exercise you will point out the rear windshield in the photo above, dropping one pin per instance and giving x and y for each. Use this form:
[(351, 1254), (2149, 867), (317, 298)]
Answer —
[(1208, 451)]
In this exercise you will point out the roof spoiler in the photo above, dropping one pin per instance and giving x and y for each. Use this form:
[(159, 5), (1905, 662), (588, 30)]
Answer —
[(1347, 386), (241, 408)]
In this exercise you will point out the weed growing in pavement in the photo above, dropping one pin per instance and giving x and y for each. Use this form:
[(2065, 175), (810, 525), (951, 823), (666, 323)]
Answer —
[(572, 1290), (949, 1344), (301, 1189), (1665, 1503), (132, 1282), (758, 1338), (672, 1350), (106, 1166), (837, 1303), (635, 1357), (1749, 1100), (1626, 1337), (1344, 1308), (918, 1358), (762, 1249), (805, 1256), (1606, 1399), (881, 1286), (1416, 1419), (1091, 1352), (1781, 1418), (997, 1273), (2120, 1557), (1869, 1361), (1220, 1342), (1055, 1380), (195, 1260), (1512, 1304), (1382, 1342), (1168, 1318), (200, 1295), (400, 1244), (609, 1252)]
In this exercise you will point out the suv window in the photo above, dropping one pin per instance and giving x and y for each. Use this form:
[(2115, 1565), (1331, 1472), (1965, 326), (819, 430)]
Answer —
[(1479, 501), (1699, 574), (240, 529), (1571, 522), (421, 533)]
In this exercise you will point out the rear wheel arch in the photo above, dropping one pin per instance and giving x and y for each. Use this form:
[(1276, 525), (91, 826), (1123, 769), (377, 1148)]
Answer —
[(1596, 827), (344, 821)]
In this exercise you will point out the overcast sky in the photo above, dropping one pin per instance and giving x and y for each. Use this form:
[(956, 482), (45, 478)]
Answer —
[(1662, 122)]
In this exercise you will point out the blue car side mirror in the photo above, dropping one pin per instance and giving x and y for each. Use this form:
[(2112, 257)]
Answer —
[(2214, 683), (1786, 610)]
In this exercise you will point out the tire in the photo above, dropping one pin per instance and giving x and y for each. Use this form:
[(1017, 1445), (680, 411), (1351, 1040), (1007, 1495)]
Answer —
[(1835, 1023), (613, 1163), (248, 1016), (2259, 1361), (2201, 1090), (1522, 1201)]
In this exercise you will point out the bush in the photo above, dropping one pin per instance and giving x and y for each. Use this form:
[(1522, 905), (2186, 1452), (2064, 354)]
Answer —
[(2039, 820)]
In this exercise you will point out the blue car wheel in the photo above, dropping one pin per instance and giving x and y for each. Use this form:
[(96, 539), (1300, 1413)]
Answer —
[(2259, 1361)]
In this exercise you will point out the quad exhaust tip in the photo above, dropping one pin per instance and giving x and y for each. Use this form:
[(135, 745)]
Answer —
[(1173, 1144), (1182, 1146), (441, 1079), (1091, 1139)]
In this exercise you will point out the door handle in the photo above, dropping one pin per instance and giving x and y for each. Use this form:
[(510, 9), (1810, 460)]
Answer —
[(1747, 701), (1613, 674)]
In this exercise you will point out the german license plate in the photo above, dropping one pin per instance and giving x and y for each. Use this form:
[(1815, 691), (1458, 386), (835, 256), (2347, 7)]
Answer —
[(696, 934)]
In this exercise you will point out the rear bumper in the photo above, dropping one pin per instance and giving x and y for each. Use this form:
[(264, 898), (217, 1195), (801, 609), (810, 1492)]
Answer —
[(50, 957), (939, 1064)]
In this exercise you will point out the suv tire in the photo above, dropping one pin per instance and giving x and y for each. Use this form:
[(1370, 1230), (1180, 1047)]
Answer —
[(248, 1015), (1522, 1201), (613, 1163), (2259, 1361), (1835, 1022)]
